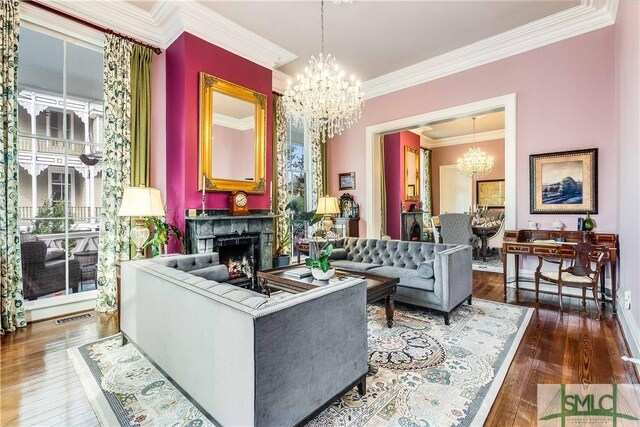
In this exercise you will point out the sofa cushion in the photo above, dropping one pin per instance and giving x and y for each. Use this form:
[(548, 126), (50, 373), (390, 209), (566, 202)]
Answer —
[(425, 269), (353, 265), (338, 254), (219, 273), (242, 296), (409, 278)]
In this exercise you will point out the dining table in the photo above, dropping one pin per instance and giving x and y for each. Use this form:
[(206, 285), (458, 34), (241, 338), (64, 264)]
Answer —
[(484, 232)]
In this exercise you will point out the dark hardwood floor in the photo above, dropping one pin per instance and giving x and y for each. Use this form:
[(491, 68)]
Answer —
[(39, 385)]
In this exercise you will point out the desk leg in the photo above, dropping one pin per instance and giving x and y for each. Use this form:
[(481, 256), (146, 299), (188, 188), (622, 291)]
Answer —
[(504, 274), (517, 261), (614, 282)]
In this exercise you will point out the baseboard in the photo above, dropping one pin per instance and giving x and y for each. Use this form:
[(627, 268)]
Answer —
[(630, 330), (60, 306)]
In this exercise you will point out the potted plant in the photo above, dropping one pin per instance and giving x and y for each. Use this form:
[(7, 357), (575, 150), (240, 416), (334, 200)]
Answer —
[(319, 262), (280, 256), (162, 233)]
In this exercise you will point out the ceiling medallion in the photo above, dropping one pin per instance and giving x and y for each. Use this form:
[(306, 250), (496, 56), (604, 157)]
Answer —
[(322, 99), (475, 163)]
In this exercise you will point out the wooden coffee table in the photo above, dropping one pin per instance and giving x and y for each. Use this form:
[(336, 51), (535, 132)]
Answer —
[(378, 287)]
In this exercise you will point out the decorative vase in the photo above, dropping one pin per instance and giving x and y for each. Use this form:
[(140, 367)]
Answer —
[(589, 223), (557, 225), (318, 274)]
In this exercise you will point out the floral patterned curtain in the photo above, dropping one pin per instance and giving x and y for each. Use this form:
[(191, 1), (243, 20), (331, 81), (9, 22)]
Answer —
[(114, 230), (280, 148), (11, 300), (427, 185), (317, 186)]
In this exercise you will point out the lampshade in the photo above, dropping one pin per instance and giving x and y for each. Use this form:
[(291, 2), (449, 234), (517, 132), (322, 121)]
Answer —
[(327, 205), (141, 201)]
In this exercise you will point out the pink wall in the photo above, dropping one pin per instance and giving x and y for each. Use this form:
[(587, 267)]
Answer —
[(186, 57), (394, 145), (565, 101), (225, 162), (627, 51), (449, 156)]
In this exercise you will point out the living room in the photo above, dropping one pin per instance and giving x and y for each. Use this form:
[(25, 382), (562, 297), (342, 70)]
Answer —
[(212, 327)]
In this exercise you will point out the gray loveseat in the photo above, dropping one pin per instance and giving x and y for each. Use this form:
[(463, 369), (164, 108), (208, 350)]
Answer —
[(432, 275), (245, 358)]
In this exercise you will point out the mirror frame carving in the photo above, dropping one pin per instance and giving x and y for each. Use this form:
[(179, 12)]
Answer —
[(208, 85), (408, 151)]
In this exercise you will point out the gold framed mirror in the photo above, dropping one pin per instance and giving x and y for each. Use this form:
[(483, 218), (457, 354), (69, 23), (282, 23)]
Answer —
[(232, 144), (412, 173)]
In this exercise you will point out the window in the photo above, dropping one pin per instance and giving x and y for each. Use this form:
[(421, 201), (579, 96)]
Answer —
[(56, 185), (297, 166), (60, 118)]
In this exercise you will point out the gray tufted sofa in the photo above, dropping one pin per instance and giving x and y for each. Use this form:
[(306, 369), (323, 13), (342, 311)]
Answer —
[(241, 356), (432, 275)]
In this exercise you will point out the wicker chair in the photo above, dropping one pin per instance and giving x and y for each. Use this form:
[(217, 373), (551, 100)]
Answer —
[(43, 278)]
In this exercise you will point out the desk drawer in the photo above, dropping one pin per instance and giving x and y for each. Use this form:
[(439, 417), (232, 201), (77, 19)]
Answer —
[(517, 249), (545, 251)]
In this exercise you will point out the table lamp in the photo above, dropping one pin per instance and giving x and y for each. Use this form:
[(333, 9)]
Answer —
[(140, 202), (327, 206)]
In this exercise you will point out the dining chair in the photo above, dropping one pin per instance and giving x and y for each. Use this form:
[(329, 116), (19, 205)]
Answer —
[(455, 228), (580, 273), (435, 223)]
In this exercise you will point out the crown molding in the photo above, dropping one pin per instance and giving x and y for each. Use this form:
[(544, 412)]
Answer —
[(590, 15), (491, 135), (280, 81), (233, 123), (168, 19)]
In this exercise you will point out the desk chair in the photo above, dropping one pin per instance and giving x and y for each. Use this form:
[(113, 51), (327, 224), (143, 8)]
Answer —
[(579, 274)]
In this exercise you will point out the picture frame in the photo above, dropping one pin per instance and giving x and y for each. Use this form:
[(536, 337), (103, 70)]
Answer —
[(490, 193), (564, 182), (347, 181)]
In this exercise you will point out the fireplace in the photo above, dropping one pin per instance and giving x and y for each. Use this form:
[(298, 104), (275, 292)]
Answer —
[(411, 226), (240, 253), (244, 243)]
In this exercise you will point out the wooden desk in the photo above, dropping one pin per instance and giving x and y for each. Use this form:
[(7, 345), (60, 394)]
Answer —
[(527, 243)]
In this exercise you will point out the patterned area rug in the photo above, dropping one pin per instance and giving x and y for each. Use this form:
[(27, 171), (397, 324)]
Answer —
[(428, 374), (493, 263)]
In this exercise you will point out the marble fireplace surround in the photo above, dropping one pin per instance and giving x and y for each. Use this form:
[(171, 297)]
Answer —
[(204, 232)]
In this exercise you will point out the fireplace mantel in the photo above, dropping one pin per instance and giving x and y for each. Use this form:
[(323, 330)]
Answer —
[(202, 231)]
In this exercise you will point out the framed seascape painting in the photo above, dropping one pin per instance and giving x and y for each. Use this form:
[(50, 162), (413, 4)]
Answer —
[(490, 193), (347, 180), (564, 183)]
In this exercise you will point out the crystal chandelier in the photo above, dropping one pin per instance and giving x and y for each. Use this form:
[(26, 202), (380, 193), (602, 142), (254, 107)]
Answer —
[(475, 163), (321, 98)]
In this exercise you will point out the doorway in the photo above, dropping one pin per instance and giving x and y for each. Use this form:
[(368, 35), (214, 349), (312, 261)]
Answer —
[(455, 190)]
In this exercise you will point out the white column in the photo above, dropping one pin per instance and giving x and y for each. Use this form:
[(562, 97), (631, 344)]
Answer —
[(48, 123), (34, 151), (72, 126), (88, 191)]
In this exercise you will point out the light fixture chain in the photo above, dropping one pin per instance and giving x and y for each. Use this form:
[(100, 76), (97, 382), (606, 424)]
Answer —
[(322, 27)]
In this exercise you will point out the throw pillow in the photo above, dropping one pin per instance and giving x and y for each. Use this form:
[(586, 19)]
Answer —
[(425, 269), (53, 254), (338, 253)]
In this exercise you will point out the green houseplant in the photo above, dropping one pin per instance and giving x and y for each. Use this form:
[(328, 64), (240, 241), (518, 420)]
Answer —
[(319, 263), (163, 231)]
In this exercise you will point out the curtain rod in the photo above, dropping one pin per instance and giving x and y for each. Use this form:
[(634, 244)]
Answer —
[(97, 27)]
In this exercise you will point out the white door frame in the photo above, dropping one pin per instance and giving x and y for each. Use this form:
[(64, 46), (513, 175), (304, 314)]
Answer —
[(442, 190), (373, 138)]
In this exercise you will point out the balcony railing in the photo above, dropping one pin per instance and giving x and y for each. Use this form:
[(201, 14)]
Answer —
[(48, 146), (26, 212), (79, 241)]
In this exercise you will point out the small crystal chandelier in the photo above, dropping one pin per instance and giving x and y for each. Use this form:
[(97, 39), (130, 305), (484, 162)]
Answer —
[(321, 98), (475, 163)]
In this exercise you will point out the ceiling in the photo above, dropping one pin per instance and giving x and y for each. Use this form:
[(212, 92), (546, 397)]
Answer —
[(373, 38), (464, 126)]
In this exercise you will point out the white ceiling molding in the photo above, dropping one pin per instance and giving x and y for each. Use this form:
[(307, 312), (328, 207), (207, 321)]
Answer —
[(233, 123), (280, 81), (590, 15), (168, 19), (491, 135)]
